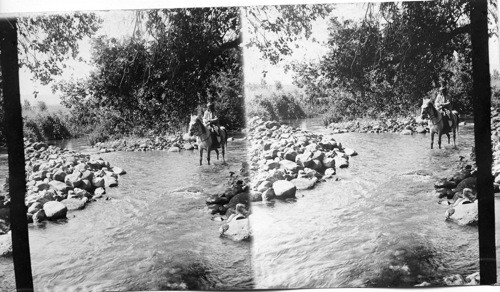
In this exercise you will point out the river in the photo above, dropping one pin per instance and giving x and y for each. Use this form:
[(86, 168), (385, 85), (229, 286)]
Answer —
[(151, 235), (379, 226)]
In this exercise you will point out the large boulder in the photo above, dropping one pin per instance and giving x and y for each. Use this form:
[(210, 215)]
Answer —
[(237, 229), (329, 162), (98, 182), (216, 199), (55, 210), (74, 204), (329, 172), (304, 159), (284, 189), (5, 244), (464, 213), (444, 183), (304, 183), (241, 198), (469, 183), (290, 155), (289, 165), (341, 162), (119, 170), (454, 280), (264, 186), (74, 179), (268, 195), (174, 149), (350, 152), (110, 181), (59, 175)]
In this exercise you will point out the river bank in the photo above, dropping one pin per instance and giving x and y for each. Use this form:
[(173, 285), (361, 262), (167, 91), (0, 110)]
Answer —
[(58, 181), (171, 143), (285, 159)]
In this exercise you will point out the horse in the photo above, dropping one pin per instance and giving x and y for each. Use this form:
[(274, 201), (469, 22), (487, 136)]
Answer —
[(436, 123), (205, 139)]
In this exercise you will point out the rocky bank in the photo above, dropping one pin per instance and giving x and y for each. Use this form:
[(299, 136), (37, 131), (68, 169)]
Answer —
[(173, 143), (404, 126), (57, 181), (283, 159)]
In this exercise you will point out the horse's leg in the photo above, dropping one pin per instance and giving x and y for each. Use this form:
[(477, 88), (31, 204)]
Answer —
[(217, 152), (448, 135), (208, 156), (201, 155), (454, 138), (432, 139), (439, 139), (223, 149)]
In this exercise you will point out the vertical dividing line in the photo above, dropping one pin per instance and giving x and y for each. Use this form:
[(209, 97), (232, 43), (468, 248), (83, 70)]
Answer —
[(15, 148), (483, 146)]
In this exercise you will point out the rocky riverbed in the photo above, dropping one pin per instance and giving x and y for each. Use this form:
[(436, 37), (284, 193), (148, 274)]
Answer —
[(404, 126), (283, 159), (57, 181), (460, 192), (172, 143)]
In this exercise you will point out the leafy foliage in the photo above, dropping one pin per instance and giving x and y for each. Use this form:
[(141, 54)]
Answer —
[(273, 29), (154, 80), (393, 58), (45, 42)]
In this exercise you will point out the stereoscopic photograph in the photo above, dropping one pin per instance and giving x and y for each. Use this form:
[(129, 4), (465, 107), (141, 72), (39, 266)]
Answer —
[(248, 147)]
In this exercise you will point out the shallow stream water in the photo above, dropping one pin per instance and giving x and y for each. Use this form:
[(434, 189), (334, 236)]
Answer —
[(153, 234), (379, 225)]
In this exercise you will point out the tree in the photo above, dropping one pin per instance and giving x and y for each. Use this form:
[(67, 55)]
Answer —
[(26, 105), (175, 61), (41, 106), (397, 53), (273, 29), (45, 42)]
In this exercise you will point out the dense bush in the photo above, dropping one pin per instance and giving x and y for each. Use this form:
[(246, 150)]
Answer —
[(276, 106), (45, 126), (153, 83)]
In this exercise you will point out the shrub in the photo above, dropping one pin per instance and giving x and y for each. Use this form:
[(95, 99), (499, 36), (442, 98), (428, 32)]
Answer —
[(46, 127)]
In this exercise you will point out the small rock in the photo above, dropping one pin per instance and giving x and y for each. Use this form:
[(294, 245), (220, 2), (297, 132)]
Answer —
[(284, 189), (304, 183), (55, 210), (454, 280), (119, 170), (73, 204)]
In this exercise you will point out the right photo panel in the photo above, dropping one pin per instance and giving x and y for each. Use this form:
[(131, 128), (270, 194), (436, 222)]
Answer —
[(361, 144)]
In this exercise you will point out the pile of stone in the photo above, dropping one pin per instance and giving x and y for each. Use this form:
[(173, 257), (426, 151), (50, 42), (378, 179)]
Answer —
[(456, 280), (460, 193), (284, 159), (58, 180), (404, 126), (156, 143), (233, 207)]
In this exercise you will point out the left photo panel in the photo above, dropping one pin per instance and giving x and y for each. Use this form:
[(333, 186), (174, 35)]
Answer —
[(135, 152)]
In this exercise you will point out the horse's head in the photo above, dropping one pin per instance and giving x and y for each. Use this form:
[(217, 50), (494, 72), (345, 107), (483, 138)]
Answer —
[(426, 107), (195, 126)]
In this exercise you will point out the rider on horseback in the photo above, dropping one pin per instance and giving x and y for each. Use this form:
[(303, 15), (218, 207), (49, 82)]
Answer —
[(211, 121), (442, 103)]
